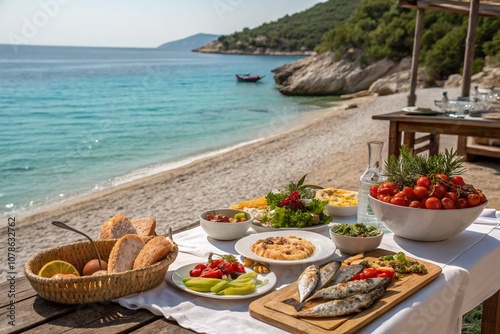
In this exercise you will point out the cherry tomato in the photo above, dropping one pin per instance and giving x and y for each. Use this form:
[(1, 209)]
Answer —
[(424, 181), (439, 190), (408, 192), (473, 200), (433, 203), (415, 204), (447, 203), (196, 272), (373, 191), (443, 177), (452, 195), (200, 266), (399, 200), (458, 180), (420, 192), (482, 198), (386, 188), (386, 199), (462, 203)]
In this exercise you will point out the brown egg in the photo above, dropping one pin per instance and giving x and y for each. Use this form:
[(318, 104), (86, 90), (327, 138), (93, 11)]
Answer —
[(93, 265)]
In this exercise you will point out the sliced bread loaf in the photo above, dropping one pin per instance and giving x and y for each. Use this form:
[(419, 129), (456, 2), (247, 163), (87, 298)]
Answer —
[(116, 227), (124, 252), (145, 227), (155, 250)]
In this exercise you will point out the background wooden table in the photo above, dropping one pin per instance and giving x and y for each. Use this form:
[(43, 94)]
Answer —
[(402, 129)]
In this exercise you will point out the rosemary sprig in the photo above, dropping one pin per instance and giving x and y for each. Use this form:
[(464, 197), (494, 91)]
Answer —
[(408, 167)]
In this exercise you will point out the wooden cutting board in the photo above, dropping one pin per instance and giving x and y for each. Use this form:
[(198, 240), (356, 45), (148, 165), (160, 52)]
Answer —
[(272, 310)]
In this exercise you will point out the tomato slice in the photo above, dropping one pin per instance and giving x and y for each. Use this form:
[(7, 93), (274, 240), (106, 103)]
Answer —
[(386, 272), (212, 273), (369, 272), (356, 277)]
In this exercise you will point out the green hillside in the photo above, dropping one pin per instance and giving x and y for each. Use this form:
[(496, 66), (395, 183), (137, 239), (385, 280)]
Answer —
[(381, 29), (298, 32), (376, 29)]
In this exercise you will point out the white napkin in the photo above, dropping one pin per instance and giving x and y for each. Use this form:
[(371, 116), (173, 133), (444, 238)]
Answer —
[(431, 310), (200, 314), (488, 217)]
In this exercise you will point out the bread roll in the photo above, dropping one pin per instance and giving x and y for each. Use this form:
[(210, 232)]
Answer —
[(124, 252), (155, 250), (145, 227), (116, 227)]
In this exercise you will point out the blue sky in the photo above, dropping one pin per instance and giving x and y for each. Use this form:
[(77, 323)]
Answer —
[(133, 23)]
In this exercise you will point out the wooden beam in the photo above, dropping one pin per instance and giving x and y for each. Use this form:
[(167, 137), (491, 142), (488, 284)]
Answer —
[(469, 48), (419, 24), (486, 8)]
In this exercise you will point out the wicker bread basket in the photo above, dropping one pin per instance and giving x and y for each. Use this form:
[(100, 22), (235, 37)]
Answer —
[(91, 289)]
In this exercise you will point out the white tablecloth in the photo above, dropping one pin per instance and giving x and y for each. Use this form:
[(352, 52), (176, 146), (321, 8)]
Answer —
[(470, 274)]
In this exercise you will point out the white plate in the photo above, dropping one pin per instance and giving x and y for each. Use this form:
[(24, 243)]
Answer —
[(324, 246), (341, 211), (492, 116), (183, 271), (314, 228)]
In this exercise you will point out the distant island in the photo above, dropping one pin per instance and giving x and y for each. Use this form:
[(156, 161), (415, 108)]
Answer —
[(189, 43)]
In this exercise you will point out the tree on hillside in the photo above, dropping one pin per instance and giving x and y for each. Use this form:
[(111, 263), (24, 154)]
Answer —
[(298, 32)]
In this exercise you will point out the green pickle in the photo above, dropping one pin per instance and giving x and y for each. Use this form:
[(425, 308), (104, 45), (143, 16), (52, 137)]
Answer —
[(201, 284), (242, 285), (219, 286), (239, 290)]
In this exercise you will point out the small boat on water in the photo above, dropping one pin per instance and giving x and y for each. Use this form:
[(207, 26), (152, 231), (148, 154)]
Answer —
[(248, 77)]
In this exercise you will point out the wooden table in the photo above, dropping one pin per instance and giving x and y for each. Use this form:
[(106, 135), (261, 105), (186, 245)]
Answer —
[(36, 315), (402, 129)]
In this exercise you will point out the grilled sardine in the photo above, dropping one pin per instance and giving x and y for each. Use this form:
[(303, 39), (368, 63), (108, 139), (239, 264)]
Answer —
[(326, 274), (345, 274), (339, 307), (350, 288), (307, 282)]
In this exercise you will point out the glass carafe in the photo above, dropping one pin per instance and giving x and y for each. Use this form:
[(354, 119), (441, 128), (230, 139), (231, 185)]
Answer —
[(371, 176)]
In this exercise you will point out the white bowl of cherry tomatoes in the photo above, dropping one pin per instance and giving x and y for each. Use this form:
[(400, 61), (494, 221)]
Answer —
[(435, 209), (226, 224)]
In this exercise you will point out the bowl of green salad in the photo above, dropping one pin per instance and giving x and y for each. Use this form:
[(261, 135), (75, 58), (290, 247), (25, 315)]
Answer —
[(355, 238)]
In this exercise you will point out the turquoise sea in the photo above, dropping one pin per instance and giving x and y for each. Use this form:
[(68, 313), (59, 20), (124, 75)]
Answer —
[(76, 120)]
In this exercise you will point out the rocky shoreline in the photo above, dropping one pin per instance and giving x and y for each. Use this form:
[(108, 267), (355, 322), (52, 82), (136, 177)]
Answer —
[(216, 47), (323, 74)]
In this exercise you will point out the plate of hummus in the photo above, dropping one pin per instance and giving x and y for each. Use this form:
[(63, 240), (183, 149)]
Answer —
[(286, 247)]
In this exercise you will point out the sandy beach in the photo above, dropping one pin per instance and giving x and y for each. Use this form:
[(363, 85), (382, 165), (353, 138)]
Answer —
[(329, 146)]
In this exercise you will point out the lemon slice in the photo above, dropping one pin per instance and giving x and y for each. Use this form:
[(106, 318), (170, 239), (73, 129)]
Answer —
[(57, 267)]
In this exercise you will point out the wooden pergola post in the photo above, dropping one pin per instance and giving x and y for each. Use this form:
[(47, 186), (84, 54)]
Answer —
[(412, 97), (469, 48)]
